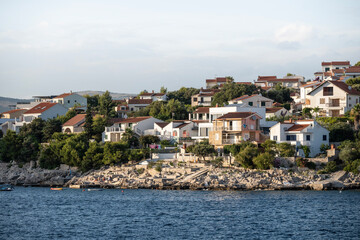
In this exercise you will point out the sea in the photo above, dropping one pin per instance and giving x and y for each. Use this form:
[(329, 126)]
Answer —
[(40, 213)]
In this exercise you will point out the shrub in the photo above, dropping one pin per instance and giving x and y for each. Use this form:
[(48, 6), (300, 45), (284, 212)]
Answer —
[(285, 149), (352, 166), (150, 165), (245, 157), (264, 161), (158, 167), (301, 162), (329, 168), (140, 170), (306, 150), (217, 162)]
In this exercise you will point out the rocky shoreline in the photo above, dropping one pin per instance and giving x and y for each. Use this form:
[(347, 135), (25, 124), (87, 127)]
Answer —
[(194, 177)]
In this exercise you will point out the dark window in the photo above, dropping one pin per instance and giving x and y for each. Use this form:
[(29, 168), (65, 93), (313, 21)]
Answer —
[(250, 103), (195, 99), (324, 137), (68, 101), (328, 91), (327, 69), (307, 137), (263, 104), (275, 138), (290, 137)]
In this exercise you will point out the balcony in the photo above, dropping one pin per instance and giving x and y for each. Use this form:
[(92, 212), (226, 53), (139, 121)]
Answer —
[(335, 104), (114, 129)]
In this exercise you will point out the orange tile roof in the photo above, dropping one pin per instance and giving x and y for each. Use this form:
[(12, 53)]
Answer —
[(297, 127), (162, 124), (139, 101), (273, 109), (13, 111), (63, 95), (40, 108), (354, 69), (335, 63), (266, 77), (202, 110), (78, 119), (182, 125), (237, 115)]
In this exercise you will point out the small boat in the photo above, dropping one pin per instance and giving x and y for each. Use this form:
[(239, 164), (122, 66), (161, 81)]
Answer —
[(94, 189), (6, 188), (56, 189)]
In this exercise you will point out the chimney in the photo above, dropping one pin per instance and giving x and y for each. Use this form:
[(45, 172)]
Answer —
[(152, 91), (332, 146), (217, 105)]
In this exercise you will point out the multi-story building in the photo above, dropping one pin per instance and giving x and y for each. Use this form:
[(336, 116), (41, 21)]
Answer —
[(210, 83), (204, 98), (234, 127), (75, 124), (153, 96), (272, 81), (301, 133), (255, 100), (334, 98)]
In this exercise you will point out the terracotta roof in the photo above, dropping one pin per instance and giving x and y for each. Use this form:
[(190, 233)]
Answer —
[(63, 95), (216, 80), (338, 70), (273, 109), (182, 125), (206, 94), (40, 108), (335, 63), (200, 121), (13, 111), (265, 88), (317, 73), (328, 73), (139, 101), (354, 69), (266, 77), (78, 119), (345, 87), (133, 119), (162, 124), (297, 127), (244, 97), (202, 110), (277, 104), (158, 94), (147, 94), (237, 115), (283, 80)]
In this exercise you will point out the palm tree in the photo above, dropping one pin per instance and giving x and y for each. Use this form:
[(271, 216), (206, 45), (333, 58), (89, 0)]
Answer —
[(355, 112), (316, 110)]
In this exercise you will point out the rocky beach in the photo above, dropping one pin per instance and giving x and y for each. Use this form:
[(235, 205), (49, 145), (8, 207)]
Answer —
[(194, 177)]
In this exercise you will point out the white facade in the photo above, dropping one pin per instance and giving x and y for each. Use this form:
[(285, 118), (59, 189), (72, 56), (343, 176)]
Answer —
[(336, 99), (139, 125), (277, 112), (253, 101), (175, 130), (306, 133), (70, 100), (53, 112)]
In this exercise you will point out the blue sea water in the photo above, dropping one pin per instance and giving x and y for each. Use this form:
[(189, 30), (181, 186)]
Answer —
[(39, 213)]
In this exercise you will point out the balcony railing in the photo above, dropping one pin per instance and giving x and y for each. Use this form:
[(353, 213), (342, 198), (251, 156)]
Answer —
[(335, 104), (114, 129)]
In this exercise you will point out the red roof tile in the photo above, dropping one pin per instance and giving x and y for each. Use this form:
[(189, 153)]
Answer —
[(245, 83), (345, 87), (182, 125), (202, 110), (63, 95), (354, 69), (273, 109), (40, 108), (236, 115), (162, 124), (335, 63), (266, 77), (297, 127), (139, 101), (12, 111), (76, 120)]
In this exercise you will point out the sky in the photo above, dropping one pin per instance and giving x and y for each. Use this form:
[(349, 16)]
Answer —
[(52, 47)]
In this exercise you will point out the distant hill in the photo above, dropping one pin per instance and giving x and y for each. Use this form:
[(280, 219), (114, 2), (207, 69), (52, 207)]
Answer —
[(115, 96), (5, 102)]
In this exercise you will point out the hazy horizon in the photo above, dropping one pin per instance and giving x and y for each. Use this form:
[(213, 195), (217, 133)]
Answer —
[(126, 47)]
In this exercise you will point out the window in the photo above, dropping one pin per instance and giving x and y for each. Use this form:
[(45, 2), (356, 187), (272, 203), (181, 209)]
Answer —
[(328, 91), (68, 101), (307, 137), (350, 105), (322, 100), (195, 99), (327, 69), (250, 103), (357, 100), (75, 100), (216, 136), (174, 133), (263, 104), (324, 137), (349, 98), (290, 137), (275, 138)]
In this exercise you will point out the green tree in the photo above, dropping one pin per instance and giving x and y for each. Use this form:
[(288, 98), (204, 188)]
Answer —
[(269, 146), (10, 146), (93, 102), (232, 90), (306, 150), (246, 156), (93, 158), (51, 126), (148, 139), (88, 126), (129, 138), (183, 95), (70, 114), (106, 105), (306, 112), (98, 127), (163, 89), (285, 149), (115, 153), (279, 94), (357, 64), (354, 83), (203, 149), (316, 111), (74, 150), (264, 161), (355, 112), (35, 129)]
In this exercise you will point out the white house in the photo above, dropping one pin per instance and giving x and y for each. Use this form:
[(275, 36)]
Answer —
[(204, 97), (138, 124), (306, 88), (174, 130), (301, 133), (353, 71), (272, 81), (75, 124), (154, 96), (255, 100), (328, 66), (135, 104), (201, 114), (333, 98), (70, 100), (276, 112)]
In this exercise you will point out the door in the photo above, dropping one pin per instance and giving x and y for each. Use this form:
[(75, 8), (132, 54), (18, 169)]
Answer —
[(335, 102)]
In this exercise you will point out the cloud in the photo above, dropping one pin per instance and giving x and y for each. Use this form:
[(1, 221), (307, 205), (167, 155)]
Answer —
[(293, 33)]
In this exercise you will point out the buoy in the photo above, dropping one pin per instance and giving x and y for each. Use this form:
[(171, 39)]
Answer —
[(122, 190)]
